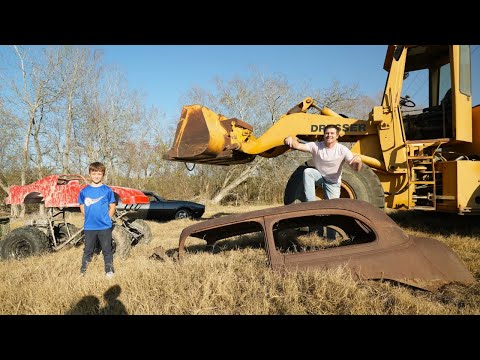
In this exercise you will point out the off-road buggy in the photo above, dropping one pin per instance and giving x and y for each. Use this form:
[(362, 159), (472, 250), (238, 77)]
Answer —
[(52, 232)]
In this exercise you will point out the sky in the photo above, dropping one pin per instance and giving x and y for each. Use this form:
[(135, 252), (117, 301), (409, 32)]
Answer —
[(165, 73)]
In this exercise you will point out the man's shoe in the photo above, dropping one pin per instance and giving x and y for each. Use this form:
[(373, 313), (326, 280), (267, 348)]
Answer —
[(109, 274)]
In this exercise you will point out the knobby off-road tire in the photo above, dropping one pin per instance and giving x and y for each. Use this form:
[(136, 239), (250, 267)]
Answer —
[(121, 242), (142, 227), (62, 235), (4, 227), (363, 185), (4, 231), (23, 242)]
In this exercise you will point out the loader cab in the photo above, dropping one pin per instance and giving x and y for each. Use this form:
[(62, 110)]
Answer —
[(436, 93)]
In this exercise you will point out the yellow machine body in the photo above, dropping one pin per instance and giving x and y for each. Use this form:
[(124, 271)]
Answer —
[(425, 160)]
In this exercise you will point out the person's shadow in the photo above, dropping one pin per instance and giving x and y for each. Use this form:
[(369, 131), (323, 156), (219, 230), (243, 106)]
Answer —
[(90, 304), (114, 306)]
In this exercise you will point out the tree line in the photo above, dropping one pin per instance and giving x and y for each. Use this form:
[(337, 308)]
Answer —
[(62, 107)]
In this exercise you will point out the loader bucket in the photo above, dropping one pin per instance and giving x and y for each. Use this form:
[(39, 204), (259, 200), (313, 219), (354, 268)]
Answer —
[(202, 136)]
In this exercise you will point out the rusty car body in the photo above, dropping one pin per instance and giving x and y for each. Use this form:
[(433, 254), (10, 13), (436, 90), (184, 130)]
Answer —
[(368, 242)]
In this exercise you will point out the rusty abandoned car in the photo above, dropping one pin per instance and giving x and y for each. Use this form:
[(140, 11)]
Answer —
[(368, 242)]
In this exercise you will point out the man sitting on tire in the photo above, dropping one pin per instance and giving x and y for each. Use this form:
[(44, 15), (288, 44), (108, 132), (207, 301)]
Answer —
[(328, 157)]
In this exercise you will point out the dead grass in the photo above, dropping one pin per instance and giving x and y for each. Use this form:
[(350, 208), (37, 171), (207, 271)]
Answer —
[(231, 281)]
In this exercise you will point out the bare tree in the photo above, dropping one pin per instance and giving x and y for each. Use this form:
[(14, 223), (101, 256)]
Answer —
[(9, 147), (255, 100), (80, 74), (260, 100), (31, 94)]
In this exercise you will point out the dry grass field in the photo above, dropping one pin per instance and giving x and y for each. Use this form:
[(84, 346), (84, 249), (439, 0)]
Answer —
[(235, 280)]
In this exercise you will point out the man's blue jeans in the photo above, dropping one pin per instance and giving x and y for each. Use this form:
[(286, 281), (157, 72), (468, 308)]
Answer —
[(313, 178)]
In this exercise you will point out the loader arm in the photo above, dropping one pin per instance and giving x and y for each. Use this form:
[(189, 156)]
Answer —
[(205, 137), (423, 158)]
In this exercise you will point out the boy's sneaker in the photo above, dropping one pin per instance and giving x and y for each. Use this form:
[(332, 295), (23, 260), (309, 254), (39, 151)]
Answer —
[(109, 274)]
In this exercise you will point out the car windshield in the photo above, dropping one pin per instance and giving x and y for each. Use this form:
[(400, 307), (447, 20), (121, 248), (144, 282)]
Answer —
[(153, 196)]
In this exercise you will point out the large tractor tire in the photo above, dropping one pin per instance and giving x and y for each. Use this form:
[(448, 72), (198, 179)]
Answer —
[(121, 242), (23, 242), (142, 228), (294, 190), (363, 185)]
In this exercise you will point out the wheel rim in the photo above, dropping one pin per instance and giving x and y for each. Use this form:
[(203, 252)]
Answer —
[(182, 214), (62, 235), (346, 192), (20, 249), (338, 231)]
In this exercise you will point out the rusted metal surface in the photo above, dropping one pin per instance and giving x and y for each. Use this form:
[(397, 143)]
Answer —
[(63, 190), (159, 253), (205, 137), (379, 248)]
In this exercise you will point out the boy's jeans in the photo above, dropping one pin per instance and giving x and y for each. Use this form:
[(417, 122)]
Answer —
[(105, 239)]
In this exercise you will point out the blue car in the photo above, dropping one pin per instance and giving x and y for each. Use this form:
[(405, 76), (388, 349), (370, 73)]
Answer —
[(161, 209)]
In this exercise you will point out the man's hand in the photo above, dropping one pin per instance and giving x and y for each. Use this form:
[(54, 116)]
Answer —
[(356, 163), (293, 143), (289, 141)]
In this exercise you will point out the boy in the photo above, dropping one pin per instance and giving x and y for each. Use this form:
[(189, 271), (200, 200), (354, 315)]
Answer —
[(97, 204)]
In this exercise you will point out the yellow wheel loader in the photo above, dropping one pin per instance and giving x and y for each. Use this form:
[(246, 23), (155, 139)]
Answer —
[(418, 157)]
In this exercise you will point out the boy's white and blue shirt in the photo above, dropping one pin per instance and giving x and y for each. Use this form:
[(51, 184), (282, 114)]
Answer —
[(96, 201)]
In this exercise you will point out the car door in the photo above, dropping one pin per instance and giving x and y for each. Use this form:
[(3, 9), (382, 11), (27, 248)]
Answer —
[(298, 240), (157, 208)]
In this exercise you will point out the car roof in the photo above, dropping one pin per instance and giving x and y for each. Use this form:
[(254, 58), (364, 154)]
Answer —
[(360, 207)]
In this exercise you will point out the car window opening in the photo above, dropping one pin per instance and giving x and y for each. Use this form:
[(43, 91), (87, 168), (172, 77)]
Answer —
[(236, 236), (311, 233)]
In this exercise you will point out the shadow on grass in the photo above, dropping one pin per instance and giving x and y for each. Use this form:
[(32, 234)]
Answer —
[(217, 215), (459, 295), (114, 305), (90, 304), (437, 223)]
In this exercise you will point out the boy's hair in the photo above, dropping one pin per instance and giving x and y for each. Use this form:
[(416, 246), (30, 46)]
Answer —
[(96, 166), (331, 126)]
